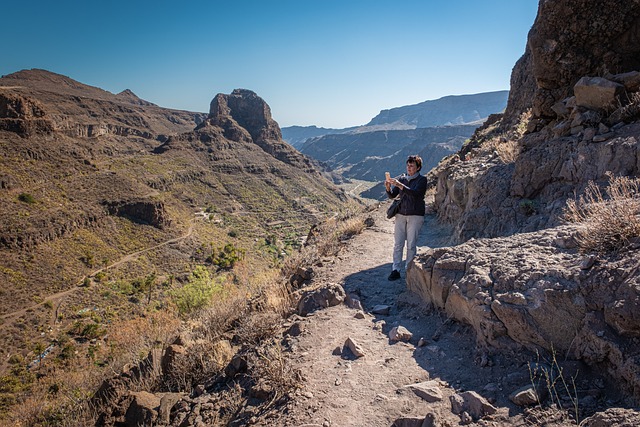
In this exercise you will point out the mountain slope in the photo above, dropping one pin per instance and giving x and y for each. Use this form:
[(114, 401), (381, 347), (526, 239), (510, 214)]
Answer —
[(448, 110), (88, 178)]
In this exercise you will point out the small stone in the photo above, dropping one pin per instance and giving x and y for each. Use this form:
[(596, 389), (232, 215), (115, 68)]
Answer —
[(381, 309), (587, 262), (465, 418), (400, 333), (379, 325), (422, 342), (359, 315), (588, 134), (354, 347), (525, 396), (428, 390)]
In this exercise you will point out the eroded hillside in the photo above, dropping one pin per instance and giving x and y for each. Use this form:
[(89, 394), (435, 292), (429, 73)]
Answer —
[(108, 202)]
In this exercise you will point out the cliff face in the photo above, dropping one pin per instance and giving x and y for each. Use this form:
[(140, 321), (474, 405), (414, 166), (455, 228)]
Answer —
[(571, 99), (517, 276), (571, 39)]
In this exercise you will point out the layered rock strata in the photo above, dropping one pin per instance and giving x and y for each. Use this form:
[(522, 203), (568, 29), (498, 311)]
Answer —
[(535, 291)]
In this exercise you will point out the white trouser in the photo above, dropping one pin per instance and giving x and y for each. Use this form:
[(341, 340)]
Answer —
[(406, 229)]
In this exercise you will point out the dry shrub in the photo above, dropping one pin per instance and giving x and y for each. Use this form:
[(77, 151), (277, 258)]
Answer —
[(212, 322), (203, 361), (59, 399), (507, 149), (325, 240), (631, 110), (272, 370), (258, 327), (132, 339), (607, 220), (335, 230)]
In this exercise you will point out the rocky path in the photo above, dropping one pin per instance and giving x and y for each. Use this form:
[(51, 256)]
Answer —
[(341, 389)]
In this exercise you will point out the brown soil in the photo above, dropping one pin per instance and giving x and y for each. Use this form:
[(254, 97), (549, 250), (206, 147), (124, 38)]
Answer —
[(342, 390)]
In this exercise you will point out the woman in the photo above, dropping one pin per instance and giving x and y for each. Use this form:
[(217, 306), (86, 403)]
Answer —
[(409, 219)]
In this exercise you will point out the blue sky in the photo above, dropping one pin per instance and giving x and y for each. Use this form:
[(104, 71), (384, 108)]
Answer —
[(327, 63)]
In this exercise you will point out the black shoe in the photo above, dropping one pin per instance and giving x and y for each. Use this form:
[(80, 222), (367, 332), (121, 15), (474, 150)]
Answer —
[(395, 275)]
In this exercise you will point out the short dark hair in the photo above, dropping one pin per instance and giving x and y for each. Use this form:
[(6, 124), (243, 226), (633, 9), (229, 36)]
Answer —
[(415, 159)]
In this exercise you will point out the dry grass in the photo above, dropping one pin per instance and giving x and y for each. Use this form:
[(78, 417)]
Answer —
[(131, 340), (57, 399), (630, 111), (506, 149), (250, 307), (607, 218)]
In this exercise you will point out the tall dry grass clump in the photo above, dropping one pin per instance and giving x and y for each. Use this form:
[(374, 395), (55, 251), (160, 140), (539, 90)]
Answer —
[(608, 218)]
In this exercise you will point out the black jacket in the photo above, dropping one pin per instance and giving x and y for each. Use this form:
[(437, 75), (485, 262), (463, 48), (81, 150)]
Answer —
[(412, 198)]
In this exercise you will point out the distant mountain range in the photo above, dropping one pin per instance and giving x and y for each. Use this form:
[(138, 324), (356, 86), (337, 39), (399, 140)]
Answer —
[(432, 129), (445, 111)]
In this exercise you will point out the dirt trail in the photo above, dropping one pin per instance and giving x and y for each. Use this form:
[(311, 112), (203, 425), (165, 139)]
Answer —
[(57, 297), (341, 390)]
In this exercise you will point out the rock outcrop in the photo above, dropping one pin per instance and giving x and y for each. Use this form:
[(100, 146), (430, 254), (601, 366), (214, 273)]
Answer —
[(575, 38), (243, 116), (22, 115), (535, 290), (574, 93)]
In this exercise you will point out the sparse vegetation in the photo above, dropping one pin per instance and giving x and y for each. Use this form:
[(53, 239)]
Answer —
[(528, 207), (548, 377), (608, 218), (226, 257), (198, 292), (26, 198)]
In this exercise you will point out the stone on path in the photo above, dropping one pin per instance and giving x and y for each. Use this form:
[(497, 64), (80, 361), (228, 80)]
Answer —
[(428, 390), (355, 348), (400, 333), (526, 396), (471, 403)]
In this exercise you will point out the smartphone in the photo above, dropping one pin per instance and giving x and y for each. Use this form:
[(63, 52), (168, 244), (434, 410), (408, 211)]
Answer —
[(387, 176)]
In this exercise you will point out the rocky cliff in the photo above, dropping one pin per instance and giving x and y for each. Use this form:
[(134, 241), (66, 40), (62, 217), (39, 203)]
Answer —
[(565, 124), (572, 117)]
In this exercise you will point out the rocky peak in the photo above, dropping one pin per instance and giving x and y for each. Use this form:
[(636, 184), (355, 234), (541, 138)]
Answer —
[(127, 95), (244, 109), (245, 117)]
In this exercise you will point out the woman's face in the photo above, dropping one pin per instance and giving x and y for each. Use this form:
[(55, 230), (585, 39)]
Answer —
[(412, 168)]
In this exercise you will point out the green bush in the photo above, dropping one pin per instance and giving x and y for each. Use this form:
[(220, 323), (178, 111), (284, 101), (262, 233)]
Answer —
[(528, 207), (226, 257), (197, 293), (26, 197)]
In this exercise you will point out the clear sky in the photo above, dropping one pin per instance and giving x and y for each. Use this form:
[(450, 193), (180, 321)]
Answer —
[(330, 63)]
